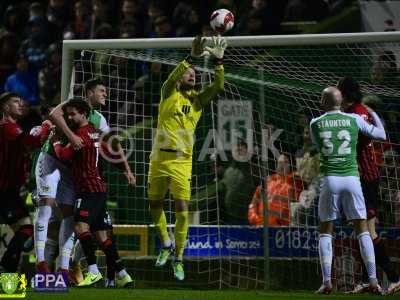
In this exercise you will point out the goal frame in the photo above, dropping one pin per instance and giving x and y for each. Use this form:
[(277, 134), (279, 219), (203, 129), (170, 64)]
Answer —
[(70, 46)]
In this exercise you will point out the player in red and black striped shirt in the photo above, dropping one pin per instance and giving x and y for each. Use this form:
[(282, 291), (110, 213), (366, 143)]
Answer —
[(85, 171), (369, 177), (14, 150), (90, 207)]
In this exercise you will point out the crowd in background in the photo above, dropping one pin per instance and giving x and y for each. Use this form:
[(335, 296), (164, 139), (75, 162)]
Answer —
[(30, 65), (32, 31)]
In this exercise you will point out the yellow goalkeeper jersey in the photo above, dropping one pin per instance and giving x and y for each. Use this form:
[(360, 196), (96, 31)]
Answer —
[(180, 111)]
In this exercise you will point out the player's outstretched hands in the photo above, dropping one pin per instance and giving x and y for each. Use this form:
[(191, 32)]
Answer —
[(198, 47), (218, 47)]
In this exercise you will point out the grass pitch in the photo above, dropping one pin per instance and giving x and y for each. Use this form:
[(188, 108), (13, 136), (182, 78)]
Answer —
[(150, 294)]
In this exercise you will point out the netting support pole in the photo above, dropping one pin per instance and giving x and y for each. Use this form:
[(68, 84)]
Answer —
[(66, 70), (264, 190)]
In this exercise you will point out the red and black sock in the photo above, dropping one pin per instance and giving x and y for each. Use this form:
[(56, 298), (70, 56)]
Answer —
[(383, 260), (88, 247), (110, 262), (12, 255), (114, 262)]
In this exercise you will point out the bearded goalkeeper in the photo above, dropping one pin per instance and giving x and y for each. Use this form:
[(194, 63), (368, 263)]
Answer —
[(180, 109)]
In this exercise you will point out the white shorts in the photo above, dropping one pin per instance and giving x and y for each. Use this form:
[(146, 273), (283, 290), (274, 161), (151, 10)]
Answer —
[(54, 180), (341, 193), (56, 215)]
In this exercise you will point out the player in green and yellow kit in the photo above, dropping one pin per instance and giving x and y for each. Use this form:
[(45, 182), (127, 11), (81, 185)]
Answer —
[(171, 158), (335, 134)]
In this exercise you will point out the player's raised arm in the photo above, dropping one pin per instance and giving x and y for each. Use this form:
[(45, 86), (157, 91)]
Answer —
[(376, 131), (176, 75), (170, 84), (57, 117), (209, 92)]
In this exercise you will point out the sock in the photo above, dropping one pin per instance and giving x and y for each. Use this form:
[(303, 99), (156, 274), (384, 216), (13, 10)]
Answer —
[(112, 257), (88, 247), (383, 261), (93, 269), (12, 255), (77, 252), (181, 230), (110, 264), (51, 251), (41, 225), (160, 222), (367, 253), (121, 274), (325, 256), (66, 241)]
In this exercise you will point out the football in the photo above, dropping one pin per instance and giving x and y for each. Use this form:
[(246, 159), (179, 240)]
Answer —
[(222, 20)]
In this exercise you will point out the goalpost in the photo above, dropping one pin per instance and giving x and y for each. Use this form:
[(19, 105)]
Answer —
[(272, 89)]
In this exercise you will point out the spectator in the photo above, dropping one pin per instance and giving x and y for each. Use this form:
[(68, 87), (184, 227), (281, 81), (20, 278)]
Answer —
[(58, 15), (237, 186), (8, 48), (100, 16), (261, 19), (24, 81), (163, 28), (36, 10), (37, 17), (307, 166), (254, 24), (306, 10), (104, 31), (127, 29), (14, 20), (227, 4), (50, 75), (281, 192), (384, 70), (37, 42), (80, 27), (132, 12), (154, 11), (186, 20), (393, 122), (307, 159), (390, 190)]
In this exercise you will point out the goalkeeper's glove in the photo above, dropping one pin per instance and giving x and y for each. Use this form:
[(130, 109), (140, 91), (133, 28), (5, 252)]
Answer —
[(218, 47), (198, 47)]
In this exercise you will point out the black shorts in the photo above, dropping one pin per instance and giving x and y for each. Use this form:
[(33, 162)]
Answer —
[(12, 207), (370, 191), (91, 208)]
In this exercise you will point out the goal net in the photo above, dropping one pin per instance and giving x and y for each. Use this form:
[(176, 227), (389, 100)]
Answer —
[(252, 149)]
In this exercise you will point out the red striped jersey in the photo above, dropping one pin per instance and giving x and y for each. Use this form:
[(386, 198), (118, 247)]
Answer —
[(367, 164), (85, 170), (13, 154)]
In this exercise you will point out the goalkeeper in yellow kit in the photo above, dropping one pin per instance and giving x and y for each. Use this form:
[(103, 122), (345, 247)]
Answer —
[(171, 158)]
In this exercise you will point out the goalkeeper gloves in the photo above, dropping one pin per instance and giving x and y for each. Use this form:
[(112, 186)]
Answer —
[(198, 47), (218, 47)]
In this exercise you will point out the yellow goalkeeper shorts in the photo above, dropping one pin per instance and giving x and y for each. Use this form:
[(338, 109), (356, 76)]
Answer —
[(169, 172)]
